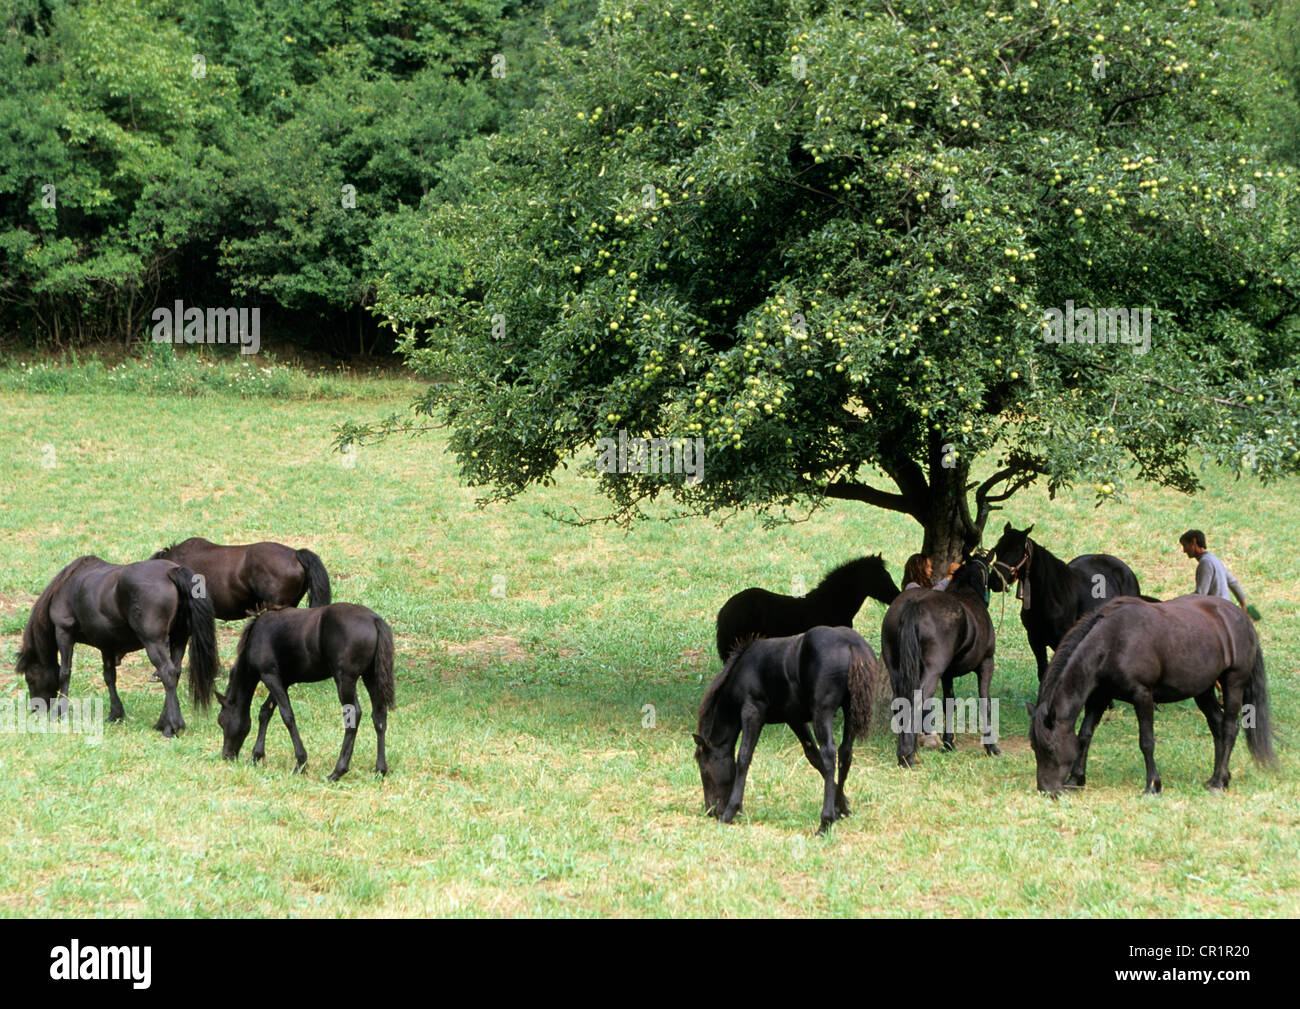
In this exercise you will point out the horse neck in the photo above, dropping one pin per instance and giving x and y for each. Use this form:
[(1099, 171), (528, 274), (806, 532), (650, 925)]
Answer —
[(243, 680), (1069, 688), (1045, 570), (843, 597)]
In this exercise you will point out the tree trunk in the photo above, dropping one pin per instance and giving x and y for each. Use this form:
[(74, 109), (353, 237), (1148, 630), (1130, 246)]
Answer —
[(947, 534)]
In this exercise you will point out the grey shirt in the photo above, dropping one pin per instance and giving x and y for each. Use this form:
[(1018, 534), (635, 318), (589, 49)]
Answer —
[(1213, 579)]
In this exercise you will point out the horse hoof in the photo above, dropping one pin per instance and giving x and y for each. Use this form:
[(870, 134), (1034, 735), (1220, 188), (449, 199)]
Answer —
[(116, 716), (949, 745), (299, 768), (991, 749), (1216, 786), (381, 771), (1152, 789), (335, 776)]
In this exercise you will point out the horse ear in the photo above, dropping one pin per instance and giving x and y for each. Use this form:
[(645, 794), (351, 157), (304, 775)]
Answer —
[(221, 698), (1030, 708), (1007, 528), (1030, 529), (700, 740)]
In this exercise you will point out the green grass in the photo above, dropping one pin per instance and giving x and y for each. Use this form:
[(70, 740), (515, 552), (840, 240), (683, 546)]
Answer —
[(521, 779)]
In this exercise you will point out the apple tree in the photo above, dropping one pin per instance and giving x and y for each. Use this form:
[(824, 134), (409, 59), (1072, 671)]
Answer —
[(827, 239)]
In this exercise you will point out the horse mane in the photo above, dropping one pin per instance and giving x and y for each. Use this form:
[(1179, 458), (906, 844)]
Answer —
[(161, 555), (708, 705), (38, 641), (847, 575), (1061, 657)]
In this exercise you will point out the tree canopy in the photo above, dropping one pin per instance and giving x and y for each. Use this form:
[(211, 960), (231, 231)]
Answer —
[(826, 240)]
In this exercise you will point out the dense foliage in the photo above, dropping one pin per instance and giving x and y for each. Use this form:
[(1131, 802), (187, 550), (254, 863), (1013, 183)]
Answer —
[(825, 239), (233, 151)]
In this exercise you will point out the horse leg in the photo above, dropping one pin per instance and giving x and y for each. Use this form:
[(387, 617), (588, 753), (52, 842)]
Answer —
[(949, 737), (263, 721), (347, 686), (985, 714), (1232, 698), (1095, 708), (170, 721), (63, 641), (806, 741), (378, 718), (1209, 706), (115, 710), (751, 723), (1040, 656), (824, 726), (1144, 705), (281, 696)]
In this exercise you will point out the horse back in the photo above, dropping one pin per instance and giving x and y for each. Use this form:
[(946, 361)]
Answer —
[(119, 606), (309, 645)]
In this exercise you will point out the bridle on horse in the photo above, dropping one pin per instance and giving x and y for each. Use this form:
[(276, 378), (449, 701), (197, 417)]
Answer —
[(1012, 575)]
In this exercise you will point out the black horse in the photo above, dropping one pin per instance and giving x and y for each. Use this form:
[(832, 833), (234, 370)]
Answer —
[(794, 680), (833, 603), (121, 608), (283, 646), (244, 579), (931, 635), (1145, 653), (1053, 594)]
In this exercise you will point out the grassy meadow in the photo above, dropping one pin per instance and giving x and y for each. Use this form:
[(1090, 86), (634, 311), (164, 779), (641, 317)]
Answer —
[(525, 775)]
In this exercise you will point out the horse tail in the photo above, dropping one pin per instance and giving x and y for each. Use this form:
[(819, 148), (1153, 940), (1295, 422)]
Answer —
[(1259, 734), (204, 666), (906, 677), (318, 579), (384, 664), (863, 670)]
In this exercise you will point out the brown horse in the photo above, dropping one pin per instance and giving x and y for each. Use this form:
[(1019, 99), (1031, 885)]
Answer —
[(244, 579), (931, 635), (279, 647), (120, 608), (833, 603), (799, 679), (1053, 594), (1148, 653)]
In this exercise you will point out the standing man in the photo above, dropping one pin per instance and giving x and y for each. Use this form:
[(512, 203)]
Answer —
[(1212, 577)]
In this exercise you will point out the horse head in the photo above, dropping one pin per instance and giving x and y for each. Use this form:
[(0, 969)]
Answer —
[(1011, 555), (38, 660), (717, 772), (973, 575), (235, 721), (1055, 747)]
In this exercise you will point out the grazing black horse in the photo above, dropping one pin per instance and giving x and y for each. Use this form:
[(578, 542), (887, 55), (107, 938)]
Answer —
[(1145, 653), (833, 603), (794, 680), (244, 579), (1053, 594), (121, 608), (283, 646), (931, 635)]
